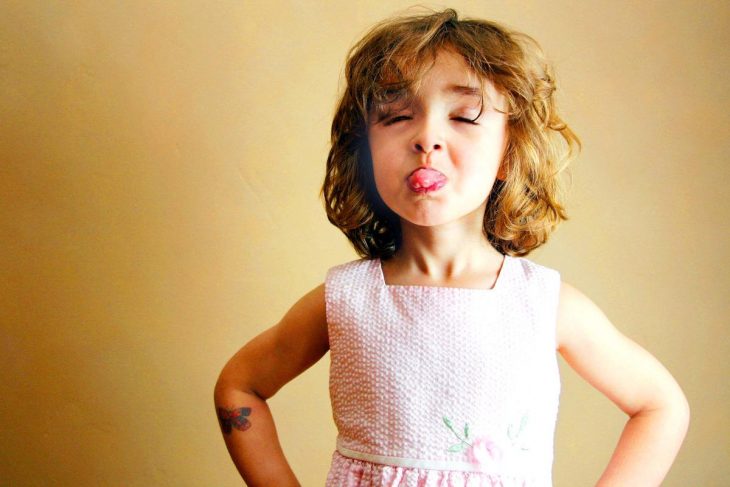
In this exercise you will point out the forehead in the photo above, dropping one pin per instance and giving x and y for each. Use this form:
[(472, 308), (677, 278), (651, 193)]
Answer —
[(446, 73)]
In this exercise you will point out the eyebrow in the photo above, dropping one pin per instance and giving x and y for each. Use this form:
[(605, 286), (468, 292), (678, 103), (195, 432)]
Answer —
[(464, 90)]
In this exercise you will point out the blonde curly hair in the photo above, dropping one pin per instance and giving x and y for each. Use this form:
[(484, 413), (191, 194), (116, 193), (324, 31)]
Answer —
[(524, 208)]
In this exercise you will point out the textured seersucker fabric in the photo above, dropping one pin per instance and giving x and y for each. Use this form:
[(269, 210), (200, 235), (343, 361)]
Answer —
[(440, 386)]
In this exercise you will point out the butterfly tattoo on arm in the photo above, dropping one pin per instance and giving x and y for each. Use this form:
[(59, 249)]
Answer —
[(234, 418)]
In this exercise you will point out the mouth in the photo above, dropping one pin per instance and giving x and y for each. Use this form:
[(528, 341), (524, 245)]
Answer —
[(426, 180)]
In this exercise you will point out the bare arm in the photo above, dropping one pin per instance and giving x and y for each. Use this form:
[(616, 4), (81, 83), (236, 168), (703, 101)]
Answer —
[(254, 374), (635, 381)]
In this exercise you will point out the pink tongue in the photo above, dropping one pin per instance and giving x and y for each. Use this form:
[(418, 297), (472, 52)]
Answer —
[(426, 178)]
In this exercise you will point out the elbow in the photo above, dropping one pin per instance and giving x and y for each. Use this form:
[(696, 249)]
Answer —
[(673, 409), (683, 412), (221, 389), (225, 387), (231, 388), (679, 405), (680, 417), (677, 412)]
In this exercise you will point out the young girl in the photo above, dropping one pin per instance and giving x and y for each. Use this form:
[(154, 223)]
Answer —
[(443, 173)]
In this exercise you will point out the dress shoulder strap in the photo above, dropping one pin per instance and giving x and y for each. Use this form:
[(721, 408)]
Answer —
[(536, 274), (349, 285), (542, 285)]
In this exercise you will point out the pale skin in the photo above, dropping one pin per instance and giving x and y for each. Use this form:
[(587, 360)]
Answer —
[(443, 246)]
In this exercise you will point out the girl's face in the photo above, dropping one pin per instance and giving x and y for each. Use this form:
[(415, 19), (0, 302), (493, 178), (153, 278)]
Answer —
[(431, 164)]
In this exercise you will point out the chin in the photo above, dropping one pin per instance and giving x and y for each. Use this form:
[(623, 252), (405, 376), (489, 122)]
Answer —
[(430, 220), (433, 219)]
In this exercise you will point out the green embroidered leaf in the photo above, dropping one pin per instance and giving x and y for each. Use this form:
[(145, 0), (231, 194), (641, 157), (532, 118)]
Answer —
[(523, 423), (466, 431), (447, 422), (459, 447)]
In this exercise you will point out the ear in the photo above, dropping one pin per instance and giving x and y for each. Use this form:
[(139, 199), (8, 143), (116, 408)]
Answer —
[(506, 150), (502, 171)]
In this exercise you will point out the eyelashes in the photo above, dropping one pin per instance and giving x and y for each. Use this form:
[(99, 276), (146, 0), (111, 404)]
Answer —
[(466, 120), (399, 118), (393, 120)]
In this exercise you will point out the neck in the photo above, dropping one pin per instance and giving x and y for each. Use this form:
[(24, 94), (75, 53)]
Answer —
[(445, 252)]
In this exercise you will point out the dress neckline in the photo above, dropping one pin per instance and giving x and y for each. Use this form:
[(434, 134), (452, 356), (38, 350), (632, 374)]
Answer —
[(496, 287)]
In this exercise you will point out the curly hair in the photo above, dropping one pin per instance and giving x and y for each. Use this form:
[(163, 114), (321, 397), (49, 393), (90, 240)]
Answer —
[(524, 208)]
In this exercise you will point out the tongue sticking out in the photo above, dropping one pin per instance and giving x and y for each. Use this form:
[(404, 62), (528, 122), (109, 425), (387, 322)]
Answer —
[(425, 179)]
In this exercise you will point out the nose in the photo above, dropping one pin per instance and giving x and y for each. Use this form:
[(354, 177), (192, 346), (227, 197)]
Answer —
[(428, 138), (426, 147)]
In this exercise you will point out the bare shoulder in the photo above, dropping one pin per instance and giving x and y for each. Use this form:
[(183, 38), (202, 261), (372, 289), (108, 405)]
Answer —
[(573, 307), (302, 332), (309, 317), (610, 361)]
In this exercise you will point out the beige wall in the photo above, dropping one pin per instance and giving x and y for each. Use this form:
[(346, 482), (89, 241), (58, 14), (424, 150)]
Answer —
[(159, 167)]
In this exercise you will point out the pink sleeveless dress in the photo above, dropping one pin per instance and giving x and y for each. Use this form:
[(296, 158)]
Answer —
[(439, 386)]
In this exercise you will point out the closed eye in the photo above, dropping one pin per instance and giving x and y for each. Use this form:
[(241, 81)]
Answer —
[(393, 120), (466, 120), (400, 118)]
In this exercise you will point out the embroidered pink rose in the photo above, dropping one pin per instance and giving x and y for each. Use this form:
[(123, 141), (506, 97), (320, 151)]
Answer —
[(483, 451)]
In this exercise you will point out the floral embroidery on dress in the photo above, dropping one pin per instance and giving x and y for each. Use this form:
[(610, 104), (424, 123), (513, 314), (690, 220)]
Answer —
[(479, 452), (485, 450), (463, 444), (514, 436)]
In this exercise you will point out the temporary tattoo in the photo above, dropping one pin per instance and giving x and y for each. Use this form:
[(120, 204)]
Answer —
[(234, 418)]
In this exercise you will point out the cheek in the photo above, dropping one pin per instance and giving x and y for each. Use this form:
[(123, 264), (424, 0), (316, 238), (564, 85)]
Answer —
[(383, 161), (480, 165), (384, 178)]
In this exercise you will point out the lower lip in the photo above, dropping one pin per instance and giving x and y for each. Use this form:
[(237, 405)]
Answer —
[(418, 181), (429, 189)]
